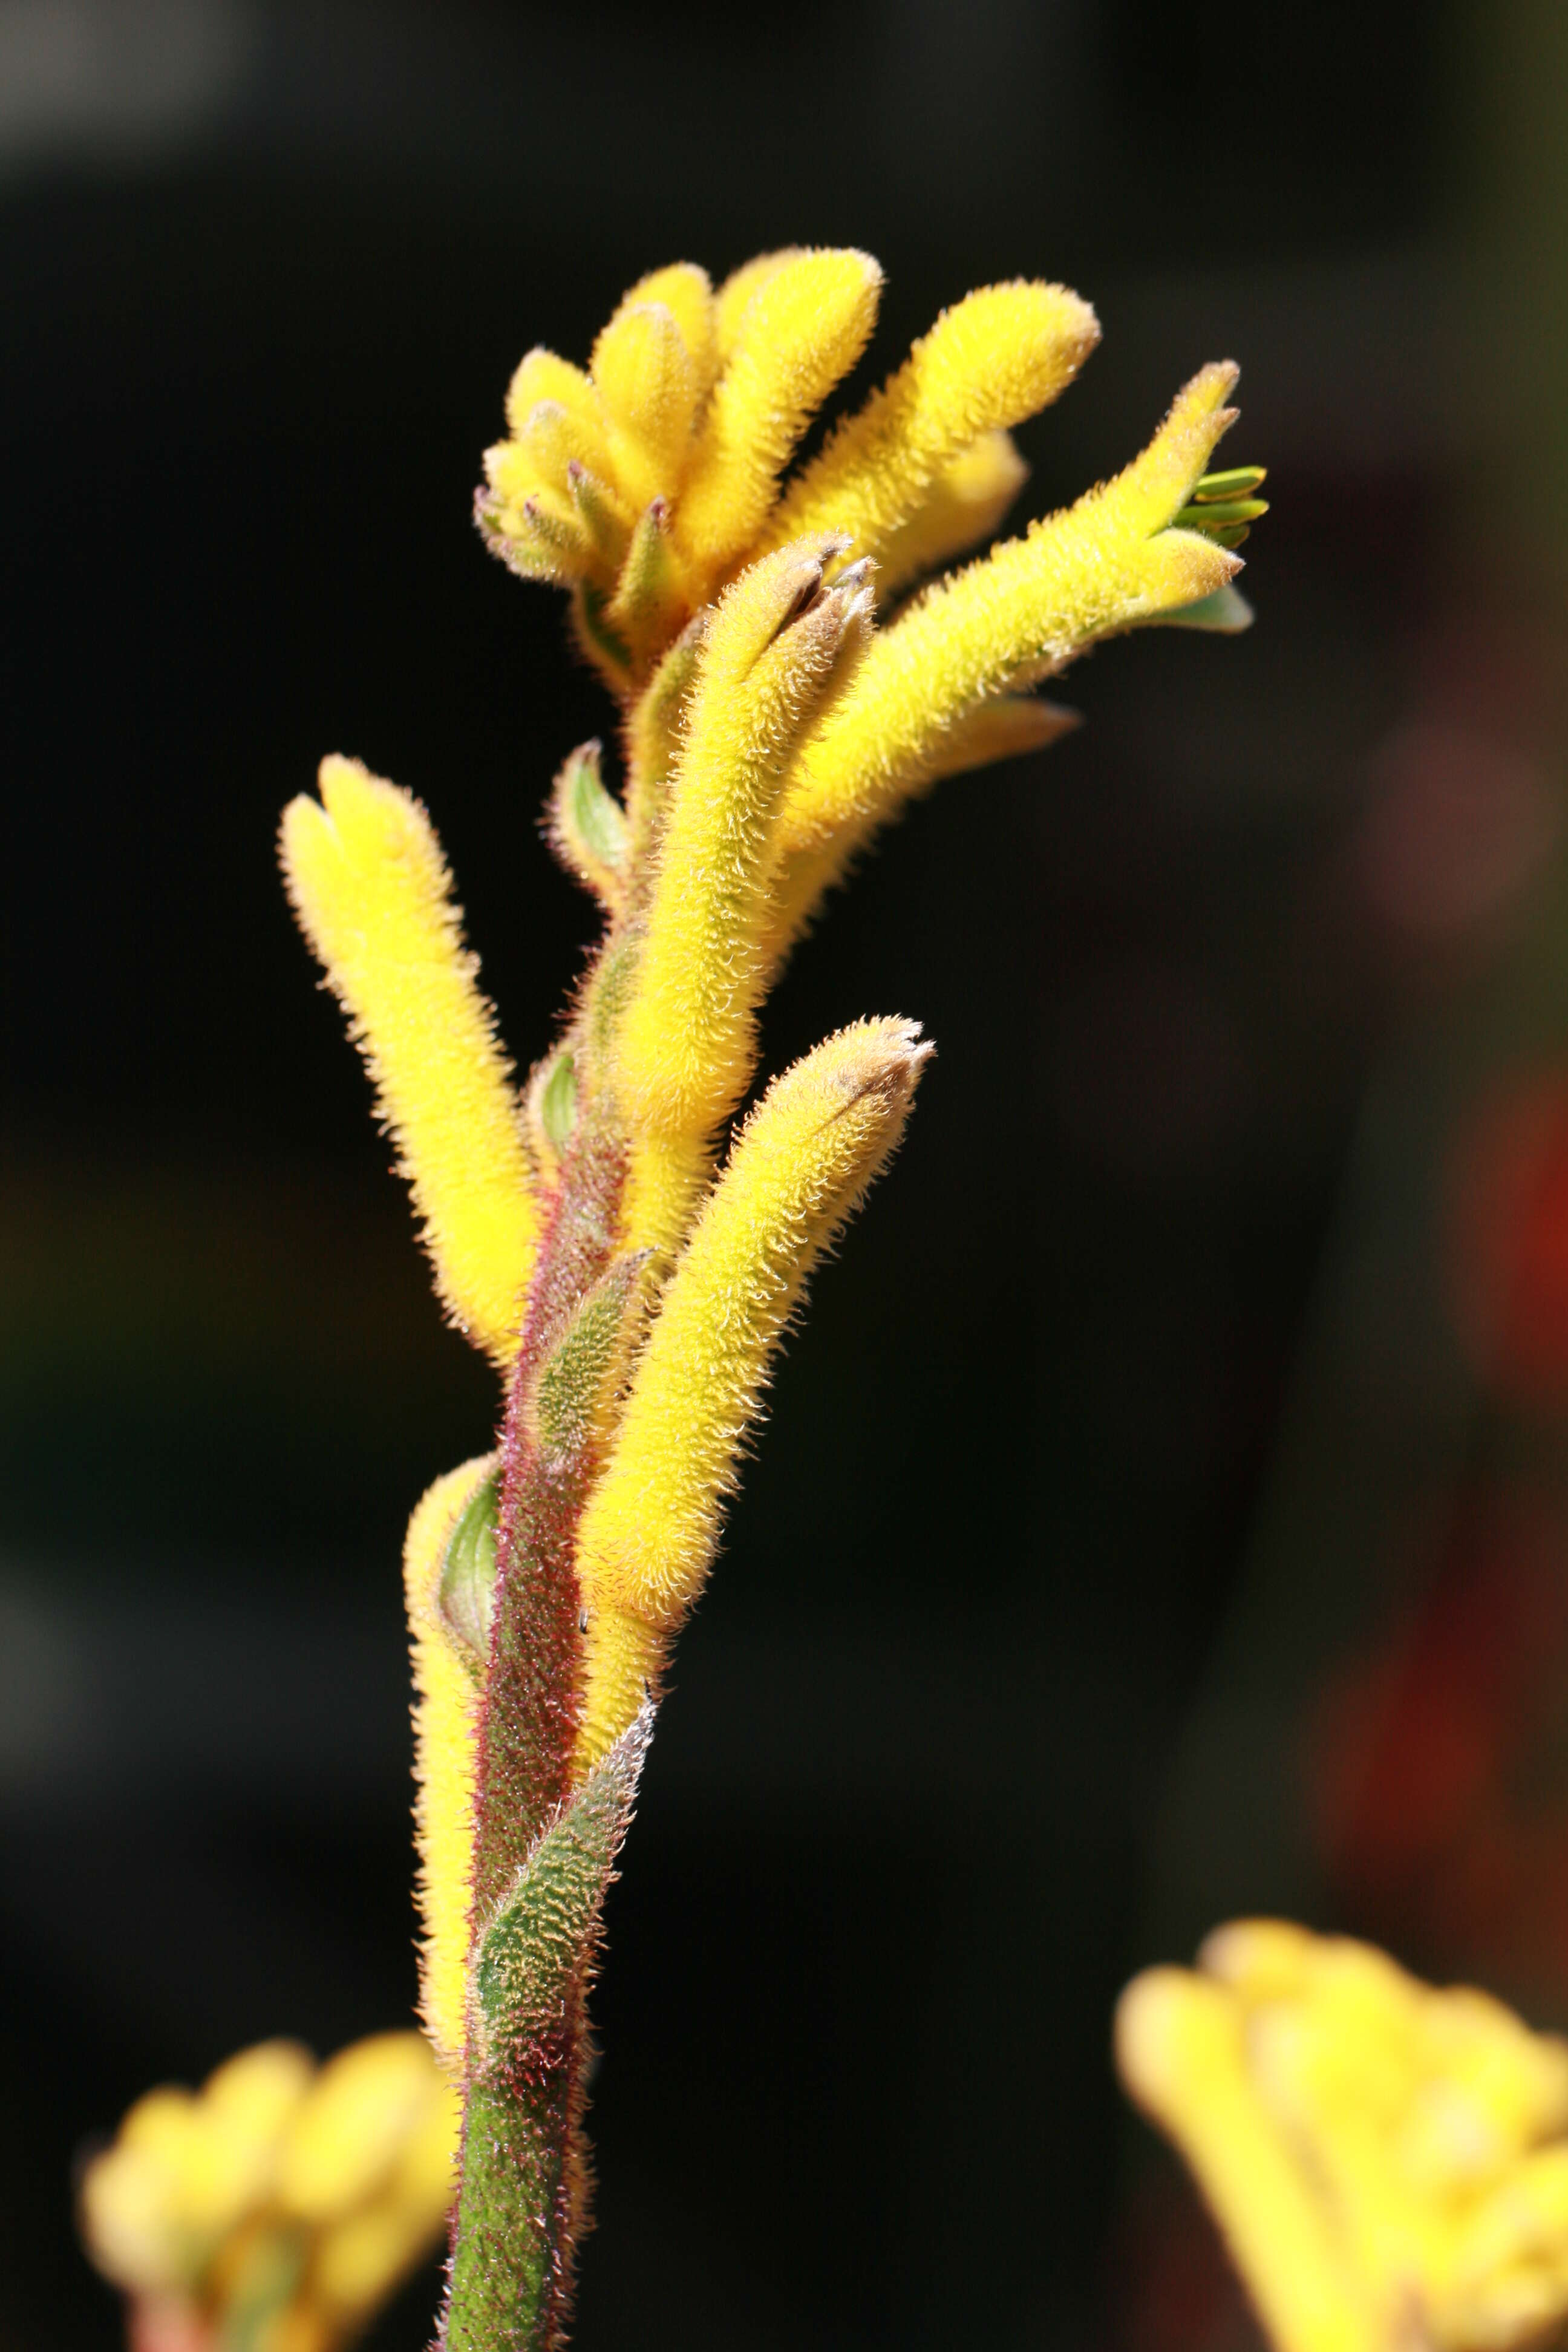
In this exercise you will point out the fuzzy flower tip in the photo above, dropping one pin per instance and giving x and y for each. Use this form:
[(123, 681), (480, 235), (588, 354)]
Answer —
[(1388, 2162)]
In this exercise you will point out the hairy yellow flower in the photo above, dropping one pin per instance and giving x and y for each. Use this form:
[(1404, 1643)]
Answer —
[(446, 1711), (1388, 2162), (1110, 561), (801, 1165), (775, 643), (801, 328), (371, 889), (994, 359), (280, 2204)]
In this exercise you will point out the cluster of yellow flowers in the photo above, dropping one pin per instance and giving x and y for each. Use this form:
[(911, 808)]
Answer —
[(277, 2208), (772, 718), (786, 685), (1388, 2162)]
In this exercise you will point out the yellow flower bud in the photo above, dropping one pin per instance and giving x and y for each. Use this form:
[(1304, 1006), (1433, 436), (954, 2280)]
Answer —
[(371, 889), (801, 1165)]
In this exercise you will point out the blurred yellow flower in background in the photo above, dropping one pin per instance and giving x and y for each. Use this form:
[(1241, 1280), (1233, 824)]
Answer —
[(1388, 2162), (277, 2208)]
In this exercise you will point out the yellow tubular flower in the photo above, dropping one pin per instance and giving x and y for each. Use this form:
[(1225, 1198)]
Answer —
[(187, 2169), (371, 889), (1104, 564), (552, 509), (446, 1716), (964, 505), (773, 646), (644, 374), (1426, 2129), (994, 359), (1335, 2072), (665, 1174), (800, 1166), (1181, 2052), (803, 328)]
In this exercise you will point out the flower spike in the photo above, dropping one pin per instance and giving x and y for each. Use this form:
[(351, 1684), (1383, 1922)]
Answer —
[(634, 1299)]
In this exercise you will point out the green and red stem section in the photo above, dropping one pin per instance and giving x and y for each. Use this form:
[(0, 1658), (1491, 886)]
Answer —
[(544, 1849)]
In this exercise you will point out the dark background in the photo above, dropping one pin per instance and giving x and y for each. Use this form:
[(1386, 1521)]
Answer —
[(1083, 1465)]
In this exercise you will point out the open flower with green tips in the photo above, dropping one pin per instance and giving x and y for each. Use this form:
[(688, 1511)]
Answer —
[(785, 686)]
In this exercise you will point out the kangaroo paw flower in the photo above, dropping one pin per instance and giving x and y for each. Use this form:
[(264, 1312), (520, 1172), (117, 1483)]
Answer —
[(1388, 2162), (632, 1298), (280, 2205), (801, 1166), (371, 889)]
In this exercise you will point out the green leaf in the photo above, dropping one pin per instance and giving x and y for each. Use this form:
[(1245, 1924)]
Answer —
[(520, 2201), (558, 1102), (1239, 482), (539, 1941), (586, 825), (1227, 611), (580, 1370), (469, 1571), (594, 815)]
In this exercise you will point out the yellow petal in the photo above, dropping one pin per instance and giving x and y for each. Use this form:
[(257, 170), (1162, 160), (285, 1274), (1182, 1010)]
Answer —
[(349, 2134), (644, 374), (542, 375), (734, 298), (1260, 1959), (687, 293)]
